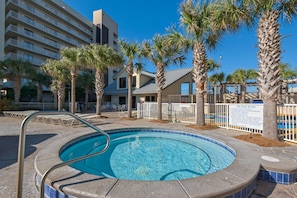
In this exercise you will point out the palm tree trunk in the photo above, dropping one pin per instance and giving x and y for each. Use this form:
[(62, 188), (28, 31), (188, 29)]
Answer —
[(159, 104), (160, 80), (86, 98), (99, 90), (73, 98), (129, 70), (269, 43), (39, 93), (199, 76), (200, 120), (242, 94), (270, 118), (61, 95), (221, 93), (17, 89), (206, 91), (129, 96)]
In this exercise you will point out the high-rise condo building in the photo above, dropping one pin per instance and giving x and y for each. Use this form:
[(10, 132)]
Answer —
[(36, 30)]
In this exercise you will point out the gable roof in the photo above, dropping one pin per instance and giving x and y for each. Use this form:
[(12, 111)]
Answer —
[(150, 87), (143, 72), (170, 76)]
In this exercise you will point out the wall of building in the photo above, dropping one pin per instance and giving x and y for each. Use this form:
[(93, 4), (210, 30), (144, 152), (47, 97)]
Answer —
[(2, 28), (175, 88)]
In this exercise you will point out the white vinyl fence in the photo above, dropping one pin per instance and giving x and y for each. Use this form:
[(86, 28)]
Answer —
[(243, 117)]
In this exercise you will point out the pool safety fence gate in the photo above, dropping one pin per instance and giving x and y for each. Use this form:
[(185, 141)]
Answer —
[(245, 117)]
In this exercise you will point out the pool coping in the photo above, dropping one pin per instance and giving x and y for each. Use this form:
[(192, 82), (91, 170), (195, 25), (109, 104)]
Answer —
[(239, 178)]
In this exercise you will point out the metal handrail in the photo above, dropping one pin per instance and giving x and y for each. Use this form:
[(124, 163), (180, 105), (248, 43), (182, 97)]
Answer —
[(21, 150)]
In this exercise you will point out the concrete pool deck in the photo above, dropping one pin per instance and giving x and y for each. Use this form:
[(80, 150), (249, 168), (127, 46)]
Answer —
[(40, 136)]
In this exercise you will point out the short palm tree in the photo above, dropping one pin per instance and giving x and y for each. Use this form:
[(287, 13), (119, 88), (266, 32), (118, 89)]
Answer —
[(16, 70), (131, 51), (218, 78), (242, 76), (212, 65), (41, 79), (100, 57), (60, 74), (71, 58), (86, 81), (287, 76)]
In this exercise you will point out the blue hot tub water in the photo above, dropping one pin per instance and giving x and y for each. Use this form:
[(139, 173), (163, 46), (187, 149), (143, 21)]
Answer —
[(146, 154)]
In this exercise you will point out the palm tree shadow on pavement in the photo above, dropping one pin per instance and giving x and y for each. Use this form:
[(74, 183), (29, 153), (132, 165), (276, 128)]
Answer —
[(9, 147)]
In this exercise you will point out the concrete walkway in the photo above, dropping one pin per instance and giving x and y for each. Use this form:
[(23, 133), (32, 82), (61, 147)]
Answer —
[(40, 135)]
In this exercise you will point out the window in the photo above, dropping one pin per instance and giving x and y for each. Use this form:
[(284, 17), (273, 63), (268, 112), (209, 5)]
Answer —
[(153, 99), (123, 82), (185, 89), (122, 100), (133, 81), (147, 98), (193, 88)]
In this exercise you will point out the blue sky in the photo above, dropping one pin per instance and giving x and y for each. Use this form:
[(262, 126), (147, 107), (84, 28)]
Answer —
[(140, 20)]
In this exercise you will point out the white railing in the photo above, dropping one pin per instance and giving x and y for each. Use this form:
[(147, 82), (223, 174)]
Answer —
[(243, 117)]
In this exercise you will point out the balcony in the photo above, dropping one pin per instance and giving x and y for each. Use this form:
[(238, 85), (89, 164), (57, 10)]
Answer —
[(34, 61), (55, 12), (38, 26), (31, 35), (31, 48), (48, 18)]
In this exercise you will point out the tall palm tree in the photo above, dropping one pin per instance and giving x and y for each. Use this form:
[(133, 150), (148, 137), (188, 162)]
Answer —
[(241, 77), (71, 56), (131, 51), (86, 80), (16, 70), (162, 53), (100, 57), (60, 74), (269, 13), (218, 78), (197, 18)]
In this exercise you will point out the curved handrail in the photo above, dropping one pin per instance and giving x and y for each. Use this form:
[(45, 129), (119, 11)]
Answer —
[(21, 150)]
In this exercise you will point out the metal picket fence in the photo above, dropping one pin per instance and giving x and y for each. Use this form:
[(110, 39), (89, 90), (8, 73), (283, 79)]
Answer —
[(243, 117)]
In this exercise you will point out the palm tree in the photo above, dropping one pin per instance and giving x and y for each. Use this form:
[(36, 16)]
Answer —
[(16, 70), (241, 77), (71, 56), (197, 18), (269, 53), (60, 73), (100, 57), (41, 79), (161, 53), (131, 51), (232, 80), (212, 65), (287, 75), (218, 78), (86, 80)]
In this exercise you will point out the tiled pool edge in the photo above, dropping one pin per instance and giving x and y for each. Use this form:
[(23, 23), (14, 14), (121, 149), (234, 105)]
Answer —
[(277, 177), (242, 186), (51, 192)]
